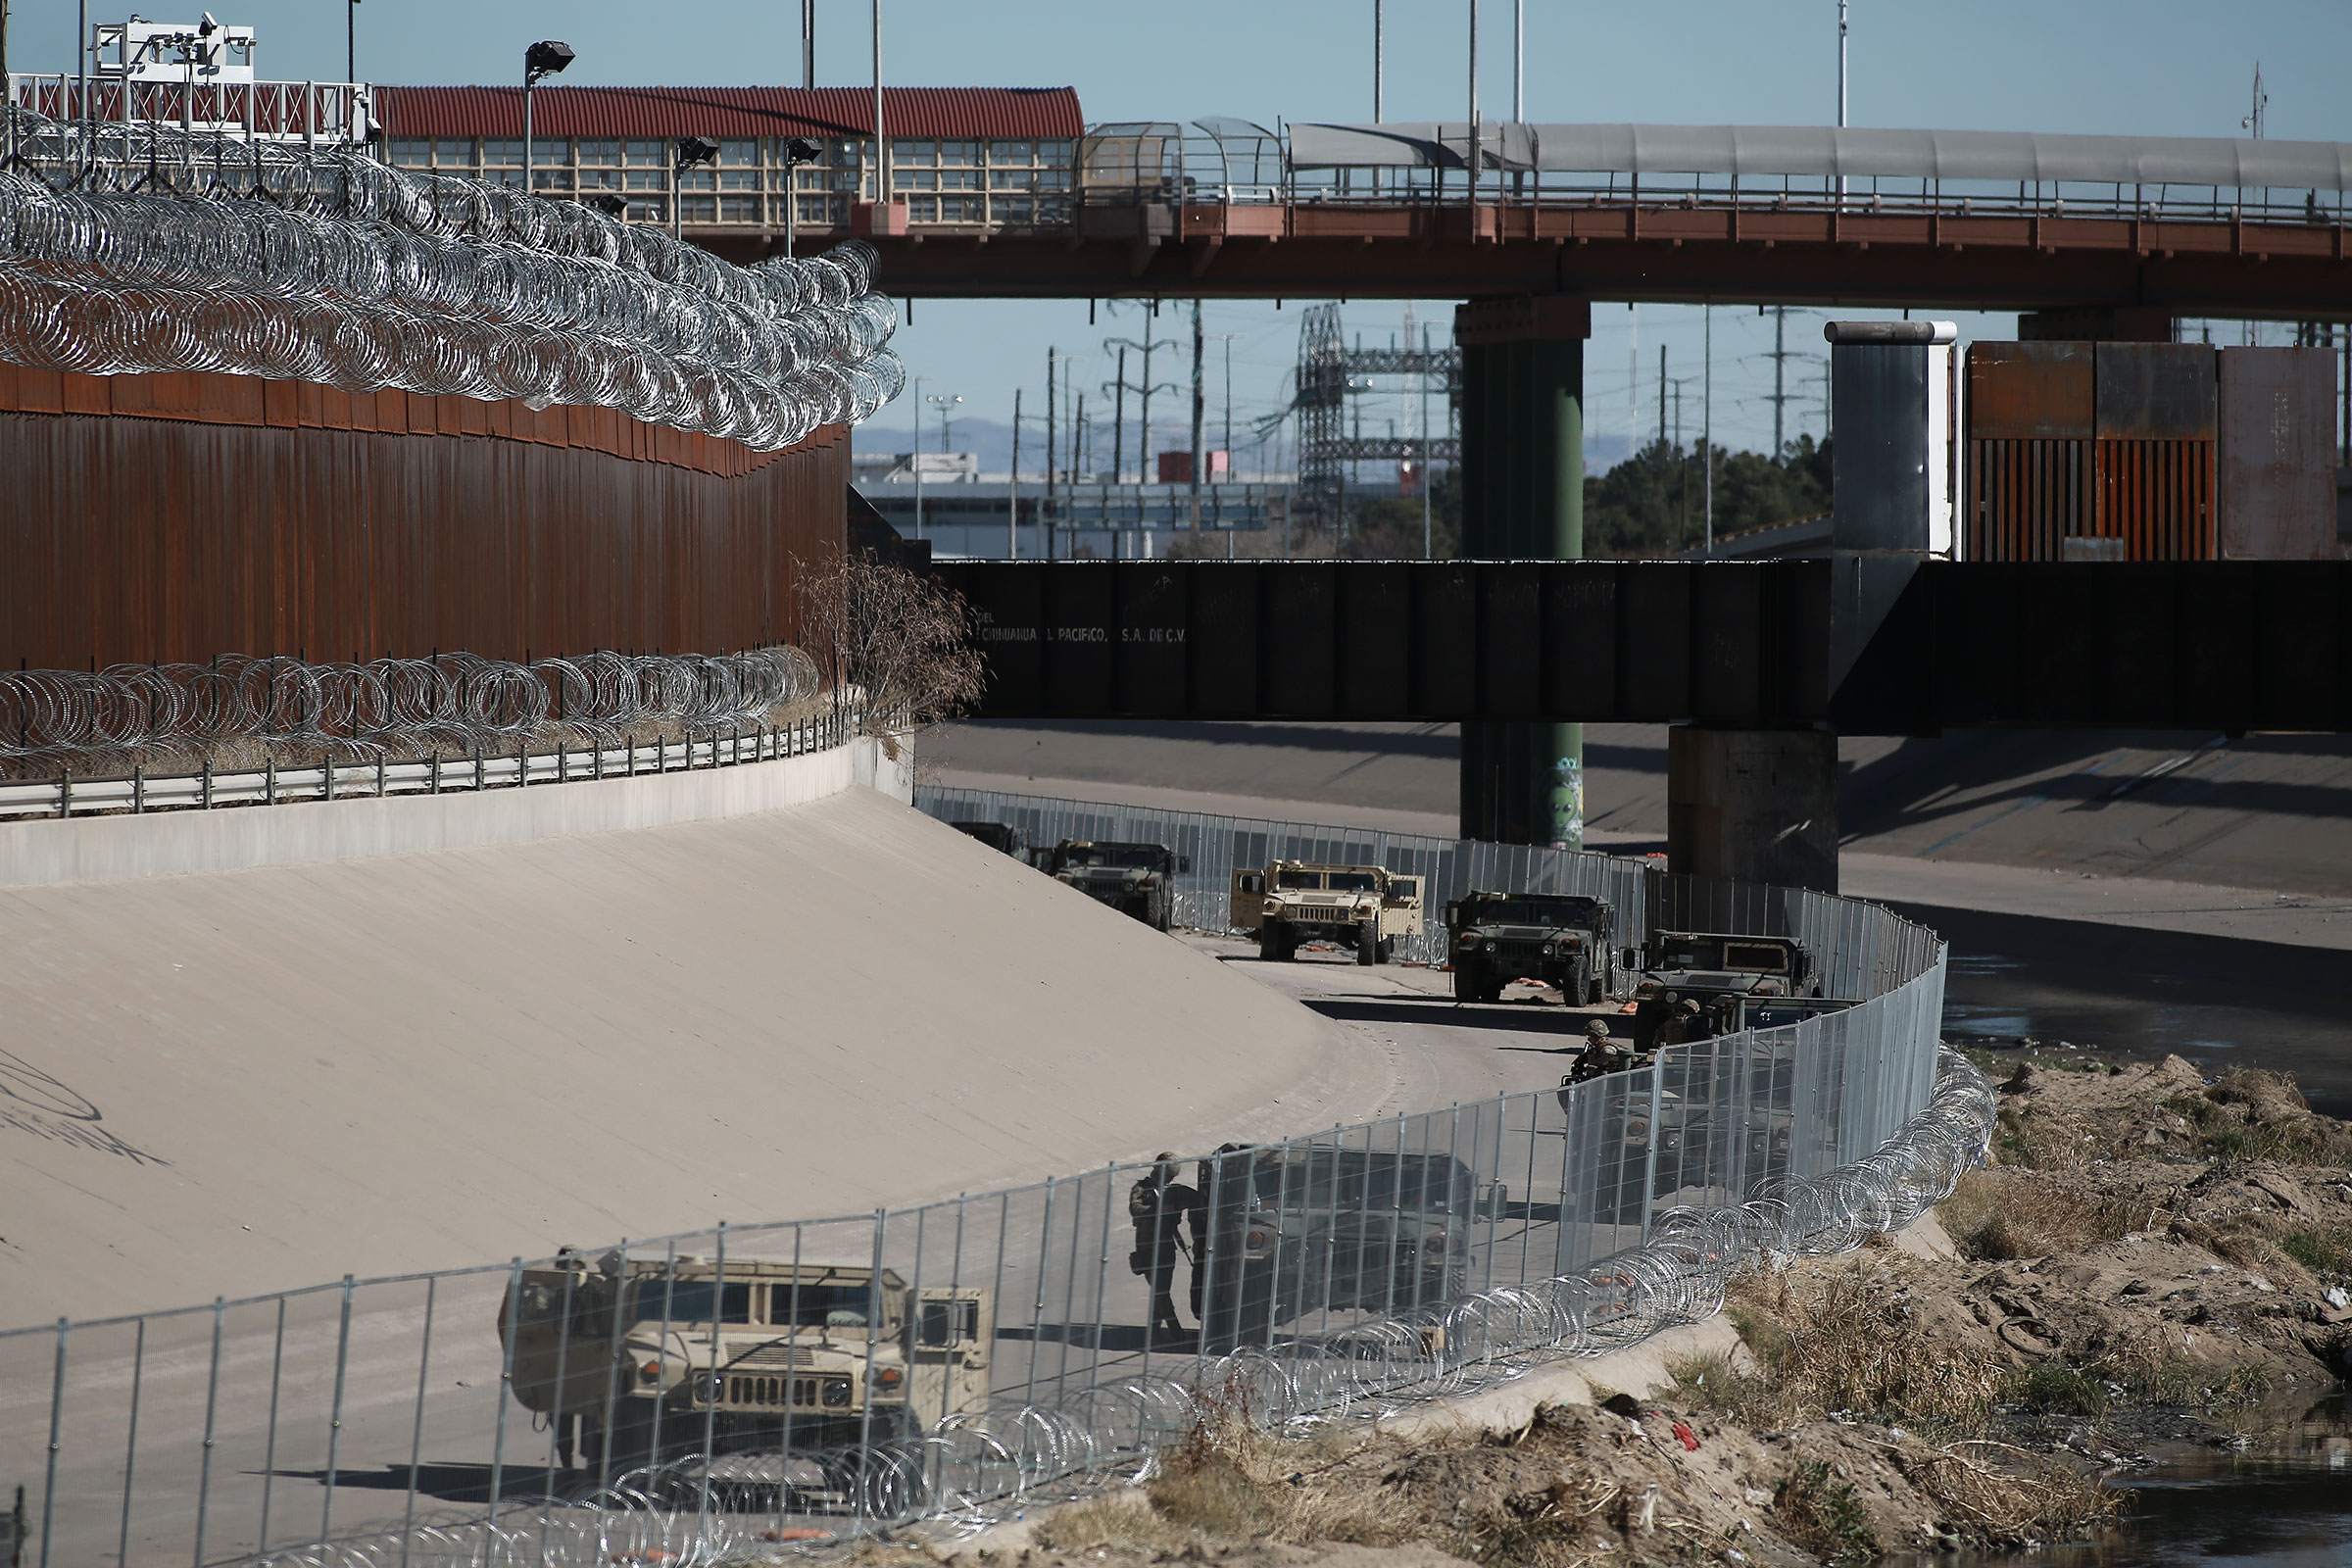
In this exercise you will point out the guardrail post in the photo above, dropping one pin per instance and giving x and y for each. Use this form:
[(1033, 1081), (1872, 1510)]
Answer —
[(207, 781), (138, 790), (269, 780), (65, 793)]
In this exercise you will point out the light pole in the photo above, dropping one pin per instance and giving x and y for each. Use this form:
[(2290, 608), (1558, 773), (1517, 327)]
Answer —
[(691, 152), (546, 58), (798, 150), (351, 40), (916, 458)]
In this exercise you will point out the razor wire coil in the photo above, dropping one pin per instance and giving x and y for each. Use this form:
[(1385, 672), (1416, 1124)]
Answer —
[(973, 1470), (452, 702), (324, 266)]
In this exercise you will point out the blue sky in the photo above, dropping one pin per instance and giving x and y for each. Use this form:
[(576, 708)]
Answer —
[(2156, 67)]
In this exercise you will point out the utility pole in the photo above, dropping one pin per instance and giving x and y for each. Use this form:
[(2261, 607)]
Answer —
[(1049, 366), (1476, 141), (2252, 124), (1662, 397), (1518, 59), (1013, 488), (881, 147), (1429, 537), (917, 457), (1379, 46), (809, 46), (1118, 422), (1842, 85), (1200, 458), (1781, 396), (1708, 419)]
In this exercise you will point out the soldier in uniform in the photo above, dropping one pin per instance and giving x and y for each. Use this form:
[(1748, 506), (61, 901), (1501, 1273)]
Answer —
[(1602, 1054), (1159, 1206), (1680, 1029)]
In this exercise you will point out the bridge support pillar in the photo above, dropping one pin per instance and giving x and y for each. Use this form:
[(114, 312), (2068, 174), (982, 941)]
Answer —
[(1523, 498), (1760, 805)]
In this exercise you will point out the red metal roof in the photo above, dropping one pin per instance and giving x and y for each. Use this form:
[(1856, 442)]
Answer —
[(731, 111)]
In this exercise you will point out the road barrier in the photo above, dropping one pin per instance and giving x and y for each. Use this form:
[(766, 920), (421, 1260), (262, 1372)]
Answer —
[(965, 1360)]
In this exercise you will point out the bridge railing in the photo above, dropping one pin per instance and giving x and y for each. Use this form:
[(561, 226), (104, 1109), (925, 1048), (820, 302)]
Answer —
[(1015, 1348)]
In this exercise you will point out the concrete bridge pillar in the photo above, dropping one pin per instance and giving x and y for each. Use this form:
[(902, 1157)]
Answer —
[(1523, 498), (1756, 803)]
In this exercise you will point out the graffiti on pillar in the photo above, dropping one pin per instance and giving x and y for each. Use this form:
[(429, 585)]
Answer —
[(1566, 804)]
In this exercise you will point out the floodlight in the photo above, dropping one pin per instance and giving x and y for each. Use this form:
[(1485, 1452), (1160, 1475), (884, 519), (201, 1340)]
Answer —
[(546, 58), (693, 150)]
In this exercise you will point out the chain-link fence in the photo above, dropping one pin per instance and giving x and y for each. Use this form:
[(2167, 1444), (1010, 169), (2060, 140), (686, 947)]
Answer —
[(727, 1392)]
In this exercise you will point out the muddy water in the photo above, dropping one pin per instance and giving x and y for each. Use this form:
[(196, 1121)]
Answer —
[(2286, 1501), (1995, 998)]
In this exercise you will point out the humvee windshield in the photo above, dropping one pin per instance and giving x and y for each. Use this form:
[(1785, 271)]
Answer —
[(1114, 856), (1719, 953), (1539, 909), (819, 1307), (1351, 881), (1308, 880), (1343, 1179), (689, 1302)]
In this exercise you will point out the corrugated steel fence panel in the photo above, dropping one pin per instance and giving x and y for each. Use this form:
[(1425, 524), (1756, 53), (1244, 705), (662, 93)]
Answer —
[(2277, 455), (2090, 451), (145, 539)]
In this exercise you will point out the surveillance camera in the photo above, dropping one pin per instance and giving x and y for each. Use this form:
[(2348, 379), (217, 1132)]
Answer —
[(208, 26)]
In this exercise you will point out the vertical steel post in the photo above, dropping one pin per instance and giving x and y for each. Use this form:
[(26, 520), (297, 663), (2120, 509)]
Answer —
[(211, 1400), (506, 1386), (277, 1369), (130, 1444), (873, 1328), (1111, 1193), (57, 1410), (715, 1378), (334, 1425), (424, 1362), (792, 1316), (956, 1285), (1037, 1313)]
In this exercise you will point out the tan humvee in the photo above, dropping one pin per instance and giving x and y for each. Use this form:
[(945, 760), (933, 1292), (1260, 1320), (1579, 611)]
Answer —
[(772, 1355), (1290, 902)]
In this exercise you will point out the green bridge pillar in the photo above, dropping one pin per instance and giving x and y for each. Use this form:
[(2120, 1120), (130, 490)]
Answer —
[(1523, 498)]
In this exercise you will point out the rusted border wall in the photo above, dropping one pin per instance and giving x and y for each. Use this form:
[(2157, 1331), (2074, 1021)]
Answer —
[(173, 518)]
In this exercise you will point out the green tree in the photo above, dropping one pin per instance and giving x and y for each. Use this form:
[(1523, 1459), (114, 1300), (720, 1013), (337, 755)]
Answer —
[(1654, 503)]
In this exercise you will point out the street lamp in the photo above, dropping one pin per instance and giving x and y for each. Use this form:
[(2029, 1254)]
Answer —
[(798, 150), (691, 153), (546, 58)]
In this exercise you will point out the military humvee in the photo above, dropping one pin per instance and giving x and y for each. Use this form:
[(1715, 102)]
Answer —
[(1563, 940), (1138, 879), (1290, 902), (1001, 836), (1700, 967), (771, 1356), (1293, 1233)]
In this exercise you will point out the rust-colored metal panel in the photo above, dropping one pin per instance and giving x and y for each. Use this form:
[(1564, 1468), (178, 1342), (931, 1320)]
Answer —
[(2025, 498), (2156, 497), (2155, 392), (2030, 392), (86, 394), (133, 539), (664, 111), (2277, 454)]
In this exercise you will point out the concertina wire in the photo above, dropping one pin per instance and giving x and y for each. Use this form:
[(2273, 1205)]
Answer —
[(322, 265), (974, 1470), (458, 702)]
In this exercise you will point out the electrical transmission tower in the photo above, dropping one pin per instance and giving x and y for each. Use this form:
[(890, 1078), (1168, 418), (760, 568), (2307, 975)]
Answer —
[(1329, 372)]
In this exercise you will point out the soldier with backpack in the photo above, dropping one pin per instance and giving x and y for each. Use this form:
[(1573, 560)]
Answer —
[(1159, 1205)]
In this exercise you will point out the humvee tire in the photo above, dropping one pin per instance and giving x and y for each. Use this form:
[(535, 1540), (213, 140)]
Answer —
[(1273, 943), (1386, 950), (1465, 985), (1367, 944)]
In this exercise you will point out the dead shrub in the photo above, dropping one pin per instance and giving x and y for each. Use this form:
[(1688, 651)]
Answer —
[(1820, 1513), (1849, 1342), (1229, 1478), (2012, 1495), (2006, 1215), (900, 638), (1111, 1524), (2252, 1114)]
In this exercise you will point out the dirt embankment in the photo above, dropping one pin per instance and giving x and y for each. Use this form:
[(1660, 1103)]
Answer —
[(2151, 1260)]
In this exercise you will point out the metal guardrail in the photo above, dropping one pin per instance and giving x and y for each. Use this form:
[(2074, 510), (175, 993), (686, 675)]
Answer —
[(206, 789), (374, 1421)]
